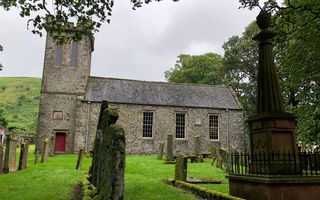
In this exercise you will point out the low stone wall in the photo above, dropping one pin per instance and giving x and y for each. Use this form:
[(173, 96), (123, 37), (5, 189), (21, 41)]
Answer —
[(200, 191)]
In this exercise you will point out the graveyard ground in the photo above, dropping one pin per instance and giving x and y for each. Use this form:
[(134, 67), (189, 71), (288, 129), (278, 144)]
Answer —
[(56, 179)]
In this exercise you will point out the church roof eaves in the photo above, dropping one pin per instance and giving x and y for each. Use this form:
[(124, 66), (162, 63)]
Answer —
[(138, 92)]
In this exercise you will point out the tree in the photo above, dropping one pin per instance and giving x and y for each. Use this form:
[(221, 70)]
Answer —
[(201, 69), (3, 120), (54, 16), (240, 65), (297, 60)]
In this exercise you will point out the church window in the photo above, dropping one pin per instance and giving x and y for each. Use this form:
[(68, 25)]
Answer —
[(214, 127), (57, 115), (147, 124), (58, 57), (74, 54), (180, 125)]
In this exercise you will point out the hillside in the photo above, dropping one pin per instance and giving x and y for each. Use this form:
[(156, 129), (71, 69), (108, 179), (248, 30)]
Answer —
[(19, 96)]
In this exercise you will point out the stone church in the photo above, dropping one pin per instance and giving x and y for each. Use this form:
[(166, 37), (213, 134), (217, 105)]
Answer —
[(148, 111)]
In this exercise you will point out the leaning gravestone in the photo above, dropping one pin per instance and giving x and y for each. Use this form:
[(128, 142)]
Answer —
[(23, 155), (170, 147), (80, 158), (10, 155), (45, 151), (181, 168), (1, 158), (160, 152), (96, 146)]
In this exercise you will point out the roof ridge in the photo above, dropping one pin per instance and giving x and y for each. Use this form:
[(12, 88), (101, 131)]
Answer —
[(161, 82)]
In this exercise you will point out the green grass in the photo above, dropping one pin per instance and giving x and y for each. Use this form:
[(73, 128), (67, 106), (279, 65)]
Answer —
[(19, 96), (56, 179)]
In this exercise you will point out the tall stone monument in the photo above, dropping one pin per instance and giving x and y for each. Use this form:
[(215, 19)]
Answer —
[(271, 129)]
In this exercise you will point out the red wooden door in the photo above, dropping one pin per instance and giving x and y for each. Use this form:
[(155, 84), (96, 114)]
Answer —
[(60, 142)]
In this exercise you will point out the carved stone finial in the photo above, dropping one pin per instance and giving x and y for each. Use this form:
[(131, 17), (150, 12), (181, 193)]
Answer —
[(264, 20)]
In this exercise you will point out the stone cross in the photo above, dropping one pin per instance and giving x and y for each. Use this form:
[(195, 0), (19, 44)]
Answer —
[(45, 151), (181, 168), (160, 152), (10, 155), (23, 155), (80, 158), (170, 147), (1, 158)]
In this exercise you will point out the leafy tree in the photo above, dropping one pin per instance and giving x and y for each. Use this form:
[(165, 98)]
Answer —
[(240, 65), (202, 69), (3, 120), (297, 61), (56, 14)]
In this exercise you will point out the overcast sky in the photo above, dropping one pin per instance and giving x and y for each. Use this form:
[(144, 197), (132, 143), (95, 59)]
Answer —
[(140, 44)]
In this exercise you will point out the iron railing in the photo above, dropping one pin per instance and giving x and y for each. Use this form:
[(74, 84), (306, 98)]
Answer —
[(275, 163)]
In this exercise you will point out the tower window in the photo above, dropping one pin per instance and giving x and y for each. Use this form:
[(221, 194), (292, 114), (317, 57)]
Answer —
[(58, 58), (213, 127), (74, 54)]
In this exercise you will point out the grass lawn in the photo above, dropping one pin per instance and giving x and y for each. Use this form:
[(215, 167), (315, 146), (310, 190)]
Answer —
[(56, 179)]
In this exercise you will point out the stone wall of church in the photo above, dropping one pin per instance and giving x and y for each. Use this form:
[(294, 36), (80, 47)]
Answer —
[(197, 123), (48, 125)]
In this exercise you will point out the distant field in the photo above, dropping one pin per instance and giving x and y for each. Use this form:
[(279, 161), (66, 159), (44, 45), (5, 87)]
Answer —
[(56, 179), (19, 96)]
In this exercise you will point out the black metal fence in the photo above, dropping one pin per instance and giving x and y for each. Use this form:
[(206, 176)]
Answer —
[(276, 163)]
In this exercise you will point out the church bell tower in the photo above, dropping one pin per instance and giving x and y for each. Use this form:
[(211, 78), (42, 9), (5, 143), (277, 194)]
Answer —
[(65, 73)]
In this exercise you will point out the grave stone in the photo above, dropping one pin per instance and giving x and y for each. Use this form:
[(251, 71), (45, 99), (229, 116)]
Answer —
[(225, 156), (170, 147), (52, 146), (160, 152), (80, 158), (10, 155), (45, 151), (112, 157), (181, 168), (1, 158), (197, 148), (23, 155)]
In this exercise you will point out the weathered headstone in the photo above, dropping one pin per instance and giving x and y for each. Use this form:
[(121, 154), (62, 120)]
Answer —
[(1, 158), (108, 166), (96, 146), (197, 148), (52, 146), (170, 147), (10, 155), (23, 155), (111, 183), (225, 159), (160, 152), (45, 151), (80, 158), (181, 168)]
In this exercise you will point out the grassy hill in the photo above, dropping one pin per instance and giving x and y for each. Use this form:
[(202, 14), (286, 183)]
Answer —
[(19, 97)]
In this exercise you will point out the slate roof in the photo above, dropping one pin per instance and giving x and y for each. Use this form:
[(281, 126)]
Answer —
[(159, 93)]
